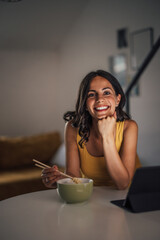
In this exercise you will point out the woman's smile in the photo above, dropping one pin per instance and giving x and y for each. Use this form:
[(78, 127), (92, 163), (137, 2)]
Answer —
[(101, 108), (101, 111), (101, 99)]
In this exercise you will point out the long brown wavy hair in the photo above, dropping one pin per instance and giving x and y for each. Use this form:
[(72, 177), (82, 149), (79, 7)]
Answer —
[(81, 118)]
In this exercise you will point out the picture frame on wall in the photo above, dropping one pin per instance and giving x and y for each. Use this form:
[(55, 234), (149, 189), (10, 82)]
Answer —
[(141, 43), (118, 68)]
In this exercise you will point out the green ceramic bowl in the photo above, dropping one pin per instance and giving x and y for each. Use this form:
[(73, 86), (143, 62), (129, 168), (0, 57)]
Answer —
[(71, 192)]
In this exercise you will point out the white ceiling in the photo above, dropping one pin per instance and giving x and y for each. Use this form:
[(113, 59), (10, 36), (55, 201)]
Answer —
[(37, 23)]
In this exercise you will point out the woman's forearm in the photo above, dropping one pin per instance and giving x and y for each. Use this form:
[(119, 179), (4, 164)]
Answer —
[(115, 166)]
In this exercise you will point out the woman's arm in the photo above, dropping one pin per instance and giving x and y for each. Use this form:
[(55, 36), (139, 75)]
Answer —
[(121, 165), (72, 153), (49, 175)]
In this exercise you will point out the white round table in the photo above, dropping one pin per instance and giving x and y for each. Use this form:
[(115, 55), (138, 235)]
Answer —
[(44, 216)]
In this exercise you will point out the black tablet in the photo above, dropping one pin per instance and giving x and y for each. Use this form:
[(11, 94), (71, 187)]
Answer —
[(144, 191)]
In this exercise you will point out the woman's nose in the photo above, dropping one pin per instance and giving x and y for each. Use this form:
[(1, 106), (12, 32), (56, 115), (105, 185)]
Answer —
[(99, 98)]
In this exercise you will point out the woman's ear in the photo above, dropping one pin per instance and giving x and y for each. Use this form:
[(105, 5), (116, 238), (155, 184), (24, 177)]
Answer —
[(118, 99)]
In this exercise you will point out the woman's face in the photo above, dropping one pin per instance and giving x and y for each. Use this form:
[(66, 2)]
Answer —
[(102, 99)]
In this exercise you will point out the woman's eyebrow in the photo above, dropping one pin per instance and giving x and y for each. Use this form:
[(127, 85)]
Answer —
[(91, 90), (106, 88)]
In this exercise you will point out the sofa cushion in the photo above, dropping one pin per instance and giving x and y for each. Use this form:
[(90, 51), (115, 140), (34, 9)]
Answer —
[(19, 151), (20, 175), (16, 182)]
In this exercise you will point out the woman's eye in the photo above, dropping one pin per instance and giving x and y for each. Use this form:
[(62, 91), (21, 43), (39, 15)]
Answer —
[(106, 93), (91, 95)]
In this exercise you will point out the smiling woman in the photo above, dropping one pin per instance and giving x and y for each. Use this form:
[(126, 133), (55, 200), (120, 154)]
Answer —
[(100, 138), (102, 99)]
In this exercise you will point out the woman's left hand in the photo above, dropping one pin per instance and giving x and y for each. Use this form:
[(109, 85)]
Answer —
[(107, 127)]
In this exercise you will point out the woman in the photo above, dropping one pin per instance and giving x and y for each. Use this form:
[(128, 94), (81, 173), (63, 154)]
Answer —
[(100, 138)]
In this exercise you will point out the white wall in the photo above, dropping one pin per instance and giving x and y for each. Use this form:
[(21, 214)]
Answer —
[(28, 92), (38, 85), (31, 34)]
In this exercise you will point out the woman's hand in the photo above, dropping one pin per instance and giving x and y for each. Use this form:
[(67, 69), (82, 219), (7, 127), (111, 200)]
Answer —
[(107, 127), (50, 176)]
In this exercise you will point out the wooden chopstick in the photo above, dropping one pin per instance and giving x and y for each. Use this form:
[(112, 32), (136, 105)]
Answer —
[(66, 175), (42, 165)]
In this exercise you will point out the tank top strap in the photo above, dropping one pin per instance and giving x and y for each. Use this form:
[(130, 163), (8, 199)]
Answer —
[(119, 134), (78, 137)]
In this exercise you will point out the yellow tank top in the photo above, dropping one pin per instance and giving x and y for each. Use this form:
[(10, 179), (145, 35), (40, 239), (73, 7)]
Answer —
[(95, 167)]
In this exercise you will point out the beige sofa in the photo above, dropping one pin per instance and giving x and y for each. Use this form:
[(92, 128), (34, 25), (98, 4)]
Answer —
[(18, 175)]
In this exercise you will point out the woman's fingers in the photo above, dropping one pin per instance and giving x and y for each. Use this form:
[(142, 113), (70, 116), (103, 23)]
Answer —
[(115, 115), (50, 176), (51, 182), (47, 170), (55, 167)]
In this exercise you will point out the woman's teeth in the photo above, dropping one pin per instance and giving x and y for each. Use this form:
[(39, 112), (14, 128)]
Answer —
[(101, 108)]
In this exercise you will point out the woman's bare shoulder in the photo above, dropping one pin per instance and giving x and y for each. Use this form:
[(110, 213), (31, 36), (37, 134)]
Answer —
[(70, 131), (130, 125)]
